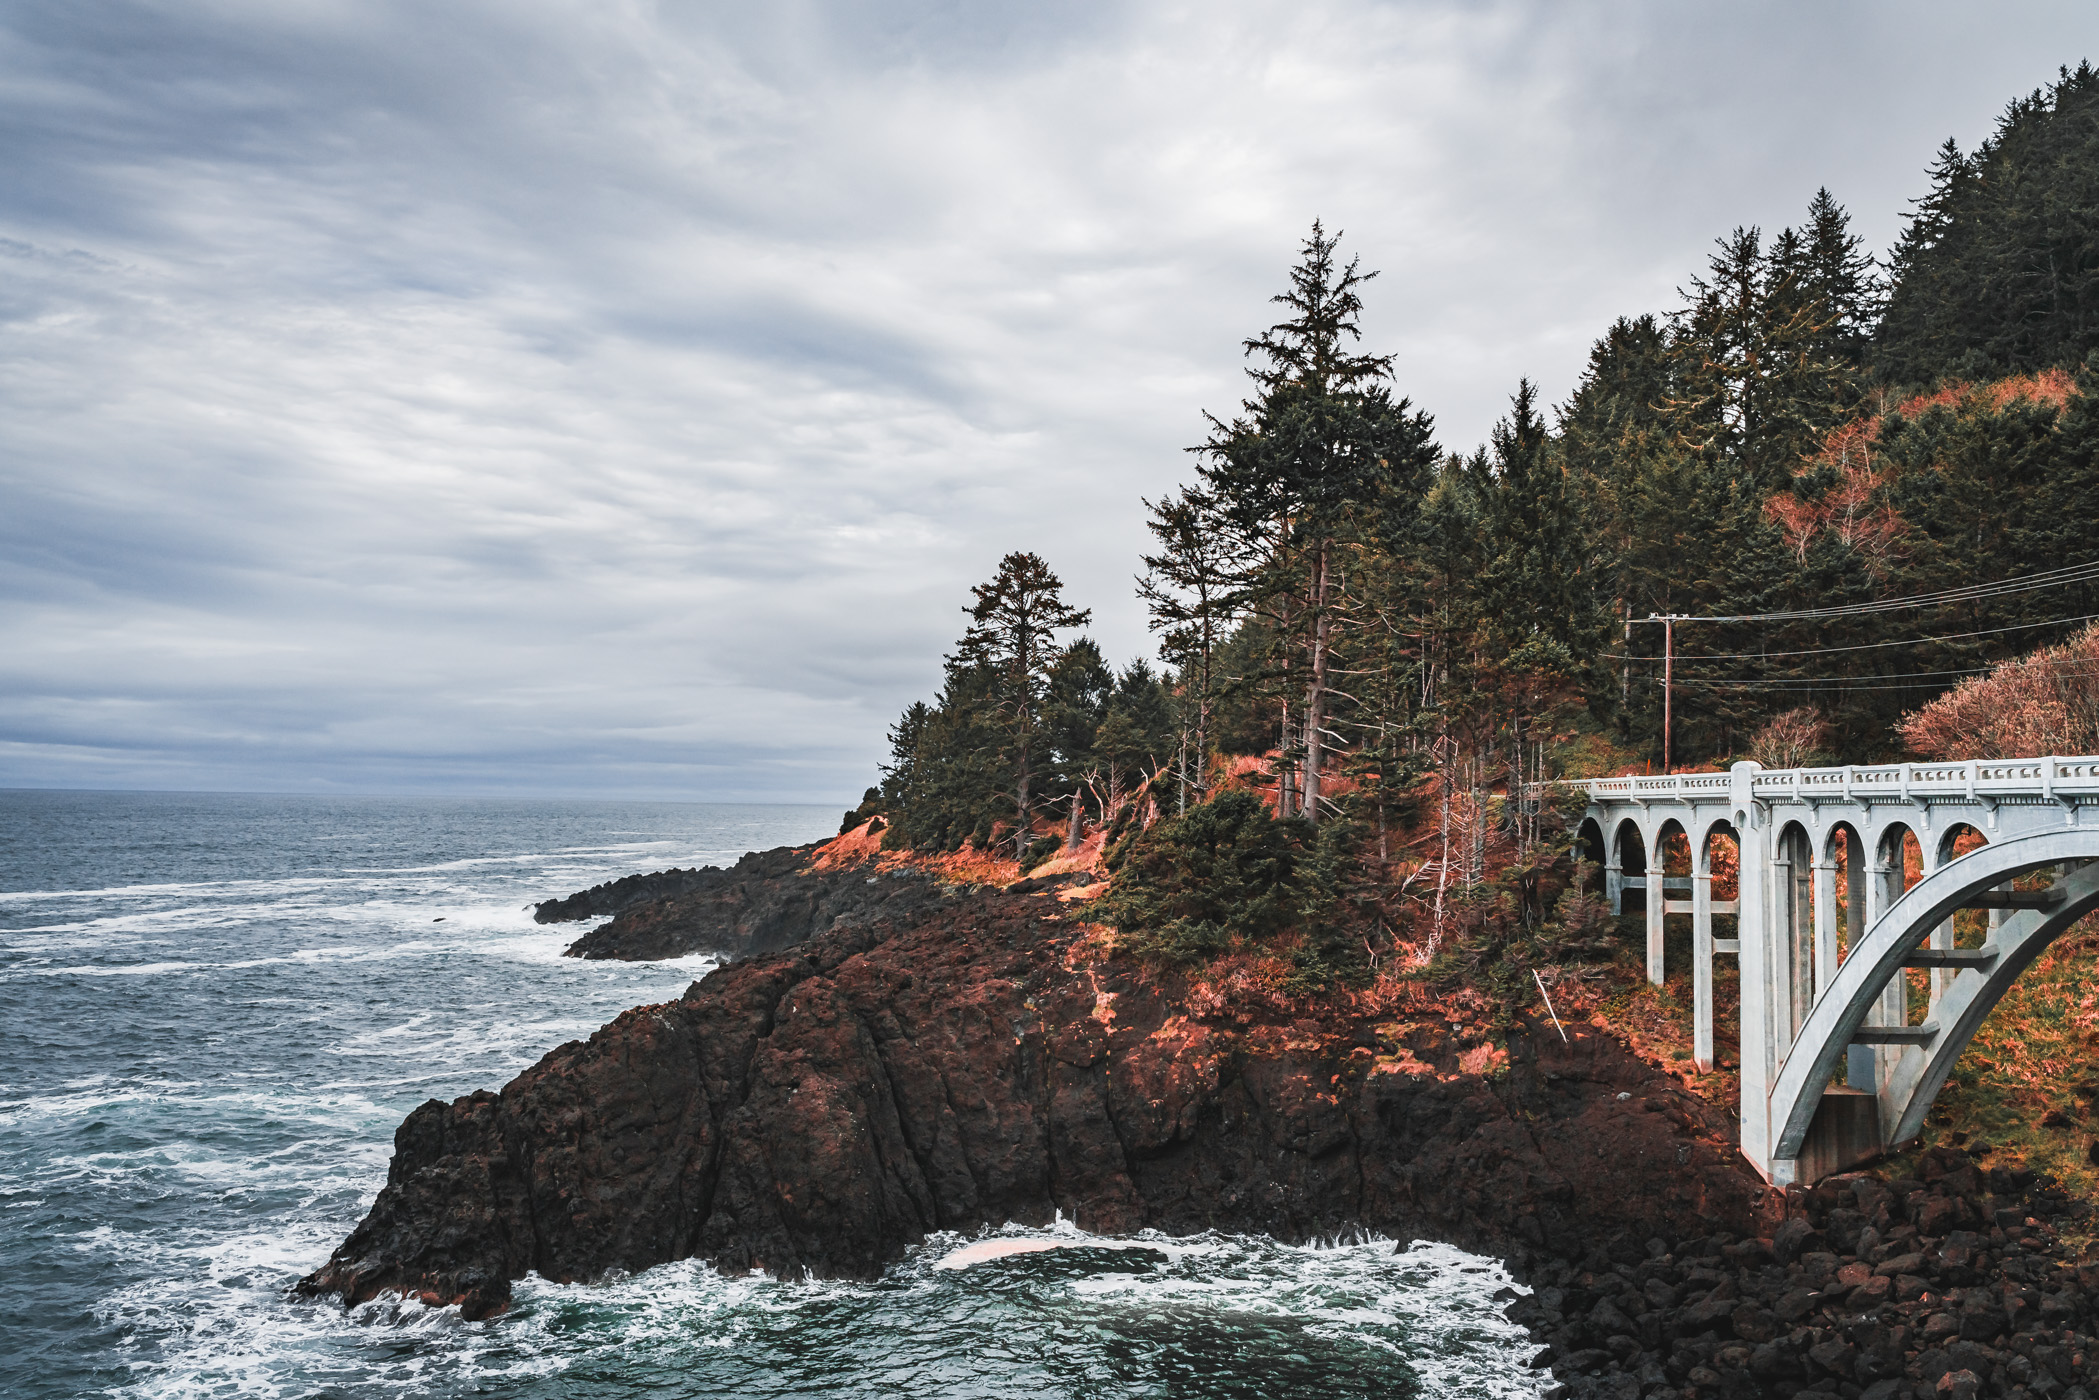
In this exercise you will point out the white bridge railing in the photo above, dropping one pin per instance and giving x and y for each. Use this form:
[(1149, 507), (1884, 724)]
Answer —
[(2013, 779)]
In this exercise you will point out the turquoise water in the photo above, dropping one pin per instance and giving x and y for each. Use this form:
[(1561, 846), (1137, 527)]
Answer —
[(215, 1009)]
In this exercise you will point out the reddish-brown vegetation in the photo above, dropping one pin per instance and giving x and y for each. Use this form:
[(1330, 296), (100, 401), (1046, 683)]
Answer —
[(2047, 702)]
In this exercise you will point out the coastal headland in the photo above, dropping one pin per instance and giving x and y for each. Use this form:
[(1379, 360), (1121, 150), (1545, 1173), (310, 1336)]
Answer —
[(906, 1056)]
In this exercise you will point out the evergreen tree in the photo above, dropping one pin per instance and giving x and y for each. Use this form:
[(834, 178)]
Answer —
[(1538, 580), (1841, 279), (1011, 639), (1319, 440), (1193, 588), (1998, 270), (941, 784)]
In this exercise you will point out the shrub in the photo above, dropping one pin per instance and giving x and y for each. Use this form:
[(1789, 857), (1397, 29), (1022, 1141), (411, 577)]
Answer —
[(1799, 738), (870, 806), (2046, 702), (1223, 875)]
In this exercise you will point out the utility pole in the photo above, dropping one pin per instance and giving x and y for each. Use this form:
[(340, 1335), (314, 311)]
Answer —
[(1668, 621), (1668, 683)]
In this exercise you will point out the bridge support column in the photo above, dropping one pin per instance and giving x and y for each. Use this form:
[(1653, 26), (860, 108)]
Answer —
[(1861, 1062), (1759, 1040), (1793, 925), (1893, 1007), (1825, 925), (1614, 878), (1657, 901), (1941, 938), (1701, 967)]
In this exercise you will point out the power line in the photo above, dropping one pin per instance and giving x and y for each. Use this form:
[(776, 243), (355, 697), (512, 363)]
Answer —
[(1796, 689), (1967, 593), (2056, 668), (1862, 646)]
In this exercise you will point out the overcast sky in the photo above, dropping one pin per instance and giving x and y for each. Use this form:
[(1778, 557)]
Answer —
[(619, 399)]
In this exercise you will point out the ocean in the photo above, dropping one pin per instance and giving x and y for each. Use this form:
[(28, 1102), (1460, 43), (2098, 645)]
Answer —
[(215, 1009)]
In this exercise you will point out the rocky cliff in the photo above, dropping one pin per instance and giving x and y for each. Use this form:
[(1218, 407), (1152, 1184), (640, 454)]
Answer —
[(822, 1109)]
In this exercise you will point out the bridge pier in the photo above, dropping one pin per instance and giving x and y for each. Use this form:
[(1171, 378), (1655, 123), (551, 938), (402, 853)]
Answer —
[(1701, 962), (1759, 1031), (1657, 901), (1825, 897)]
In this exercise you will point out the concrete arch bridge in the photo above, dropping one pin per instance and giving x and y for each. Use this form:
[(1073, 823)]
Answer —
[(2018, 838)]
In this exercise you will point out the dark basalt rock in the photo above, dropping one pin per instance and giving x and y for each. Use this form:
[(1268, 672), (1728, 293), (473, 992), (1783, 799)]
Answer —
[(822, 1110), (616, 895), (1937, 1301), (767, 901)]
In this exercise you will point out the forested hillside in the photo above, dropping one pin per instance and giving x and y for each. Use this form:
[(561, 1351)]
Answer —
[(1385, 637)]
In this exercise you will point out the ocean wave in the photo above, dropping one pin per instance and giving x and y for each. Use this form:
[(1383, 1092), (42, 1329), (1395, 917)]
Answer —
[(122, 969), (1216, 1314)]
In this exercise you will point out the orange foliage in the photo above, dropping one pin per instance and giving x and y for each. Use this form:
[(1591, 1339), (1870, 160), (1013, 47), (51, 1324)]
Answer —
[(2053, 387), (1848, 509), (1947, 395), (863, 844), (2044, 703)]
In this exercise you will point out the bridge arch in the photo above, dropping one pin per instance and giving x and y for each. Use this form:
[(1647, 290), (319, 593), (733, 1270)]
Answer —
[(1627, 839), (1929, 1051), (1953, 842), (1893, 847), (1710, 830), (1853, 842)]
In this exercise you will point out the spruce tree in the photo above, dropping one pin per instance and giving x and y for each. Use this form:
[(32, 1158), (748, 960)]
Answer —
[(1011, 638), (1193, 588), (1317, 442), (1998, 270)]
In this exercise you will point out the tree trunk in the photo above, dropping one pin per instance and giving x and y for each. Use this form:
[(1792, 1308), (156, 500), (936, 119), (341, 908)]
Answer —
[(1315, 690), (1516, 804), (1283, 791), (1021, 824)]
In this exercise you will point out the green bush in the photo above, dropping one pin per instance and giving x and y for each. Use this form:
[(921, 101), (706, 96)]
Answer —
[(1223, 875)]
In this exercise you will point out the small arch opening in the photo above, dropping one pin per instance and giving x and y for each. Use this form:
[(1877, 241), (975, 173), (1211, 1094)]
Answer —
[(1845, 849), (1673, 871), (1589, 855), (1720, 857)]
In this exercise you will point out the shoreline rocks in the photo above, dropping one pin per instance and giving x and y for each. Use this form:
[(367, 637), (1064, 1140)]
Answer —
[(767, 901), (1951, 1285)]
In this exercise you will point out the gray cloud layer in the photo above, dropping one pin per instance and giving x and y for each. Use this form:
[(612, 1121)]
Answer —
[(620, 398)]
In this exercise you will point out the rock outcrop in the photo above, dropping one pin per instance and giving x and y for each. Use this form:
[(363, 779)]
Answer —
[(767, 901), (820, 1110), (615, 896)]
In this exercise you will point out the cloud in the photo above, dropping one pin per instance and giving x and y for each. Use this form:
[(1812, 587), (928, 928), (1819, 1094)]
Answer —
[(620, 399)]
